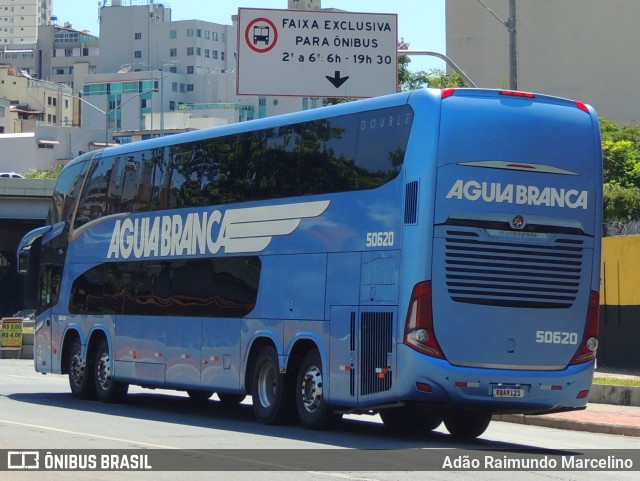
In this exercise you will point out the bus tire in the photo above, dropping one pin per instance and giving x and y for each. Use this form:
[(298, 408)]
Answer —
[(409, 420), (80, 373), (312, 406), (467, 426), (271, 398), (230, 398), (198, 395), (107, 389)]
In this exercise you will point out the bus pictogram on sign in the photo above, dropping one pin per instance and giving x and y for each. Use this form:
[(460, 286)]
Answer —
[(261, 35)]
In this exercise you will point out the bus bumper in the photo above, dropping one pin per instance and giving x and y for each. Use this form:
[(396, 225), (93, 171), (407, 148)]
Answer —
[(492, 390)]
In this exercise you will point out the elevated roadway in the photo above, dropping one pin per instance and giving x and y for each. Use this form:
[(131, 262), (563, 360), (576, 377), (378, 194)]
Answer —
[(24, 204)]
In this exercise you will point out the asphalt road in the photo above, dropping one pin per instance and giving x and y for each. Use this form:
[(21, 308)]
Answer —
[(37, 413)]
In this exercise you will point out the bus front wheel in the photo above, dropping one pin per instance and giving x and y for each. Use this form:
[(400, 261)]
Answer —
[(271, 398), (313, 410), (467, 426), (107, 389), (80, 373)]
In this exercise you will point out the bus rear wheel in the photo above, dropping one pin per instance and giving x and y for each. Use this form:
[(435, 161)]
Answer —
[(269, 389), (409, 419), (313, 410), (80, 373), (230, 398), (107, 389), (467, 426)]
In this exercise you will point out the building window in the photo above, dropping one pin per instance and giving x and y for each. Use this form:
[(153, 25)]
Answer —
[(172, 105), (190, 50), (214, 36), (137, 35), (221, 55), (173, 52), (214, 55), (190, 69), (85, 52), (198, 33), (190, 32), (207, 53), (198, 51), (173, 34), (137, 54), (189, 87)]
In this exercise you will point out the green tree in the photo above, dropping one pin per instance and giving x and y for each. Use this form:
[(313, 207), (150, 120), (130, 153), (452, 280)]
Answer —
[(50, 173), (435, 77), (621, 171)]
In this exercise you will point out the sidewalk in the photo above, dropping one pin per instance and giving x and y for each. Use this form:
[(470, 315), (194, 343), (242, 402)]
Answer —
[(597, 418)]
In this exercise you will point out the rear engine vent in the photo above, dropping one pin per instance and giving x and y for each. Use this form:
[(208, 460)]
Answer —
[(512, 274)]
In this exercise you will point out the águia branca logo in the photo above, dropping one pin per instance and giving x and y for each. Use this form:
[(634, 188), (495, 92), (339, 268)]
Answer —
[(242, 230)]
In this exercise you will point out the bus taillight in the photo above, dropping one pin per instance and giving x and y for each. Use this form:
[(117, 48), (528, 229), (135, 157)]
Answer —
[(517, 93), (418, 330), (446, 93), (587, 350)]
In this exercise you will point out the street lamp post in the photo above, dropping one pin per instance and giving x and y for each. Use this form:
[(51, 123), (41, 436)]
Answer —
[(510, 23), (449, 62), (108, 112)]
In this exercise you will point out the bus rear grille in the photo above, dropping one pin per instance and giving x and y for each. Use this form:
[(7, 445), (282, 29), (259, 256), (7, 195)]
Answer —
[(376, 344), (512, 274)]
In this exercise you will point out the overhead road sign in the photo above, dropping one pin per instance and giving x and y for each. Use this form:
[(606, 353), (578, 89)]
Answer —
[(316, 53)]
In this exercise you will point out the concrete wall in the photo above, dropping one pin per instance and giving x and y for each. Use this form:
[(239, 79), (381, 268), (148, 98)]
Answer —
[(579, 49), (620, 303)]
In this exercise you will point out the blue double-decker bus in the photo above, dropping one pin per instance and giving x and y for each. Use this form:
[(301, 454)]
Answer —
[(429, 256)]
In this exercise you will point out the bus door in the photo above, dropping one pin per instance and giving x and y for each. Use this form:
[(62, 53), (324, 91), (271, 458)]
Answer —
[(42, 253)]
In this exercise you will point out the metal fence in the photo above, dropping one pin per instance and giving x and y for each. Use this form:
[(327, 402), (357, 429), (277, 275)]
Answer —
[(611, 229)]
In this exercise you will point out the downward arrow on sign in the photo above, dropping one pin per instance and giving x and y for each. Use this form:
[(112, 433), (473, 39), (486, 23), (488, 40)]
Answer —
[(336, 80)]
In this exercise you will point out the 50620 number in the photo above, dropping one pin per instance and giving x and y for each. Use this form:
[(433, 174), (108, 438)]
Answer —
[(556, 337), (380, 239)]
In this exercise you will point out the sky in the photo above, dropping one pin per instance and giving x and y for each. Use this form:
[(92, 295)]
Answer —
[(420, 22)]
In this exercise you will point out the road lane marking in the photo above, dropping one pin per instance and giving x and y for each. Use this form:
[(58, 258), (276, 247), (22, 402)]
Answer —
[(89, 435)]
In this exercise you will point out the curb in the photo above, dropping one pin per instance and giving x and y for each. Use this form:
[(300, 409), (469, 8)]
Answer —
[(618, 395), (548, 421)]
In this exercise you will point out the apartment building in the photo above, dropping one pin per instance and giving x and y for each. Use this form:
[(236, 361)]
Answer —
[(160, 75), (19, 21)]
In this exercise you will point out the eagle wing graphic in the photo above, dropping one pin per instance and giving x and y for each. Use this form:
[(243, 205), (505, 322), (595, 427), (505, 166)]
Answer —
[(251, 229)]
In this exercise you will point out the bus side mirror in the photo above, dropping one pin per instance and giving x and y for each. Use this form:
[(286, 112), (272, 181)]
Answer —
[(23, 261)]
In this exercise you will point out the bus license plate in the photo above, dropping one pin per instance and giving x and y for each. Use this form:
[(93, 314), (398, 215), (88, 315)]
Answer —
[(508, 392)]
